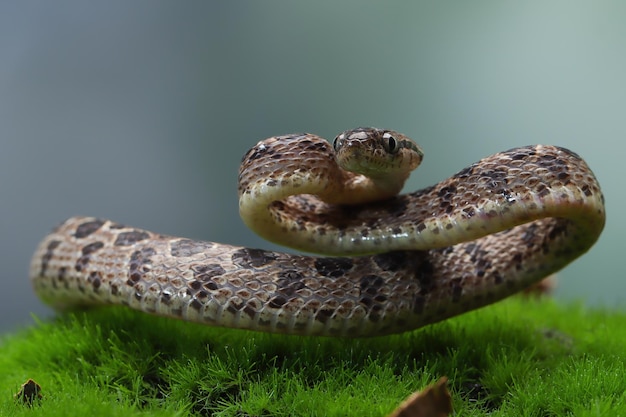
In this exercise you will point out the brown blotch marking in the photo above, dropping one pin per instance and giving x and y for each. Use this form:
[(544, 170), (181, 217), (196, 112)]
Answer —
[(542, 190), (243, 293), (446, 206), (202, 295), (497, 176), (255, 153), (375, 315), (195, 304), (323, 315), (530, 233), (130, 238), (318, 146), (188, 247), (482, 266), (278, 301), (87, 228), (424, 274), (333, 267), (497, 181), (250, 310), (204, 274), (45, 259), (522, 153), (391, 261), (288, 283), (211, 286), (234, 307), (91, 248), (139, 261), (564, 177), (549, 161), (369, 286), (278, 206), (469, 212), (447, 193), (380, 298), (61, 275), (559, 229), (87, 250), (255, 258), (478, 255), (95, 279)]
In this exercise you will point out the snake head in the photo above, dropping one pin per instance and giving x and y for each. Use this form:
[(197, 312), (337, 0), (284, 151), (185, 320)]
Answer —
[(377, 153)]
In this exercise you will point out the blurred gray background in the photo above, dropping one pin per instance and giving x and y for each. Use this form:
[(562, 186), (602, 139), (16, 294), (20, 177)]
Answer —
[(140, 111)]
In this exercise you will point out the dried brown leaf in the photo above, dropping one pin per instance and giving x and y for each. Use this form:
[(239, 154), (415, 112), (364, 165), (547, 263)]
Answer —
[(29, 392), (433, 401)]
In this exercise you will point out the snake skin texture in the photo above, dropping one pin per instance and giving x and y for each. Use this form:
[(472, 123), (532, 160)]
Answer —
[(489, 231)]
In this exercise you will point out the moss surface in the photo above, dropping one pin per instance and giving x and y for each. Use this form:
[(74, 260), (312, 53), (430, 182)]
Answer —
[(519, 357)]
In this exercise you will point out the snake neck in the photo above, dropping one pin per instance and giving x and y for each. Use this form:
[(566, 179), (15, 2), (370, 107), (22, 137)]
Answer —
[(355, 189), (264, 205), (496, 194)]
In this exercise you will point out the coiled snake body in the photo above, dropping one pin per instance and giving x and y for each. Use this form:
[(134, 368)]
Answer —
[(487, 232)]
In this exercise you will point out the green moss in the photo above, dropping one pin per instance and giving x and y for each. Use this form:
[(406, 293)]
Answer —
[(519, 357)]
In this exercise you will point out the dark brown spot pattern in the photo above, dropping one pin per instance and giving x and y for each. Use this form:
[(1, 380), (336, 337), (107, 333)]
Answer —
[(333, 267), (140, 262), (48, 255), (130, 238), (187, 247), (86, 253), (85, 229), (252, 258)]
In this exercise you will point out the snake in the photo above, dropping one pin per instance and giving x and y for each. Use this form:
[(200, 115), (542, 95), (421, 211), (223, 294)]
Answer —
[(382, 262)]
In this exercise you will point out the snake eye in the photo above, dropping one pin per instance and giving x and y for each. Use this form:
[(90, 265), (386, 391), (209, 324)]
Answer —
[(390, 143), (338, 142)]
